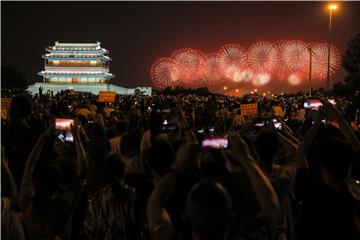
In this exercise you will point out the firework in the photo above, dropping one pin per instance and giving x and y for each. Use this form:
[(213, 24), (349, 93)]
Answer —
[(164, 73), (288, 60), (213, 74), (320, 60), (294, 79), (232, 59), (280, 67), (243, 76), (296, 56), (261, 57), (190, 63), (261, 79)]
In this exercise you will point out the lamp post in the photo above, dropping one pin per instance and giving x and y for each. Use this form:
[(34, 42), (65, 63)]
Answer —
[(331, 7)]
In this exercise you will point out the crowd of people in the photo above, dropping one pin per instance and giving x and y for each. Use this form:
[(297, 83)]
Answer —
[(137, 168)]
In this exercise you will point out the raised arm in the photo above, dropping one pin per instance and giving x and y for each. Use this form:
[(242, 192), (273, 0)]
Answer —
[(8, 186), (156, 213), (349, 134), (262, 187), (26, 184), (36, 151), (82, 164), (189, 134)]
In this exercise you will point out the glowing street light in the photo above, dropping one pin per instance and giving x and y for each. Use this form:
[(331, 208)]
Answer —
[(237, 90), (225, 88), (331, 7), (255, 90), (252, 92)]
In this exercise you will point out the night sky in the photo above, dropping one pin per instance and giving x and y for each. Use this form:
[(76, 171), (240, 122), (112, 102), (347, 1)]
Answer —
[(137, 33)]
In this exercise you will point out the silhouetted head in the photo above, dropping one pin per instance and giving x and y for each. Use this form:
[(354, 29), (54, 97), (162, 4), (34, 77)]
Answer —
[(161, 156), (20, 107), (114, 167), (130, 144), (47, 176), (120, 127), (267, 144), (336, 157), (209, 210)]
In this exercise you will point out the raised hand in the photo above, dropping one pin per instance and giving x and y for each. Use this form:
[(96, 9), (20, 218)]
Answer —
[(187, 154), (239, 150), (51, 126)]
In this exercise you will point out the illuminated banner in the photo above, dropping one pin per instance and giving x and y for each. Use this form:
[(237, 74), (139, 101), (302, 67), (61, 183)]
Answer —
[(249, 109), (107, 96)]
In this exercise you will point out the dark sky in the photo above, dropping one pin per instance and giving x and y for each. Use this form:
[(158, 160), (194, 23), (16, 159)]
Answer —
[(136, 33)]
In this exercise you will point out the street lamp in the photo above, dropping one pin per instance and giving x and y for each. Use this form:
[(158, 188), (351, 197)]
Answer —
[(331, 7)]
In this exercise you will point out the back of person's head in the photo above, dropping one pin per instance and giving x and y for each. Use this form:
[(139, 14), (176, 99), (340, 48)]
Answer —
[(267, 144), (114, 167), (336, 157), (161, 156), (130, 144), (20, 107), (47, 175), (308, 123), (121, 127), (209, 210)]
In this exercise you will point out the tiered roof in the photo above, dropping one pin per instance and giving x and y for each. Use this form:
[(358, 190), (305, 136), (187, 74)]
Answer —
[(76, 51)]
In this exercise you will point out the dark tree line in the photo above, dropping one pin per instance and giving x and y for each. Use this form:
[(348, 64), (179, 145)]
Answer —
[(13, 80), (351, 63)]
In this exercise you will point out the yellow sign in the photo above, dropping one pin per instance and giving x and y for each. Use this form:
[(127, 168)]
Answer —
[(6, 103), (5, 106), (249, 109), (107, 96)]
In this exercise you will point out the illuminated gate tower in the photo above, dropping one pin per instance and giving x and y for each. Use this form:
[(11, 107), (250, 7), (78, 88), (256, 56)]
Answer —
[(76, 63)]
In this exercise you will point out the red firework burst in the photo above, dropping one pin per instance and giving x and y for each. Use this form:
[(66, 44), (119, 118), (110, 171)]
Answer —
[(213, 74), (320, 60), (280, 67), (261, 79), (190, 63), (296, 56), (164, 73), (261, 57), (232, 60)]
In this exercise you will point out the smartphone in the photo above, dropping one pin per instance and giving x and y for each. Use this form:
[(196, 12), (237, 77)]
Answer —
[(63, 123), (65, 136), (277, 124), (312, 104), (211, 130), (332, 101), (69, 137), (219, 142), (259, 124)]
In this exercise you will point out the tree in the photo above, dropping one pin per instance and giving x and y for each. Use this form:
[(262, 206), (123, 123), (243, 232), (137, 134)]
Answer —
[(12, 78), (351, 63)]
